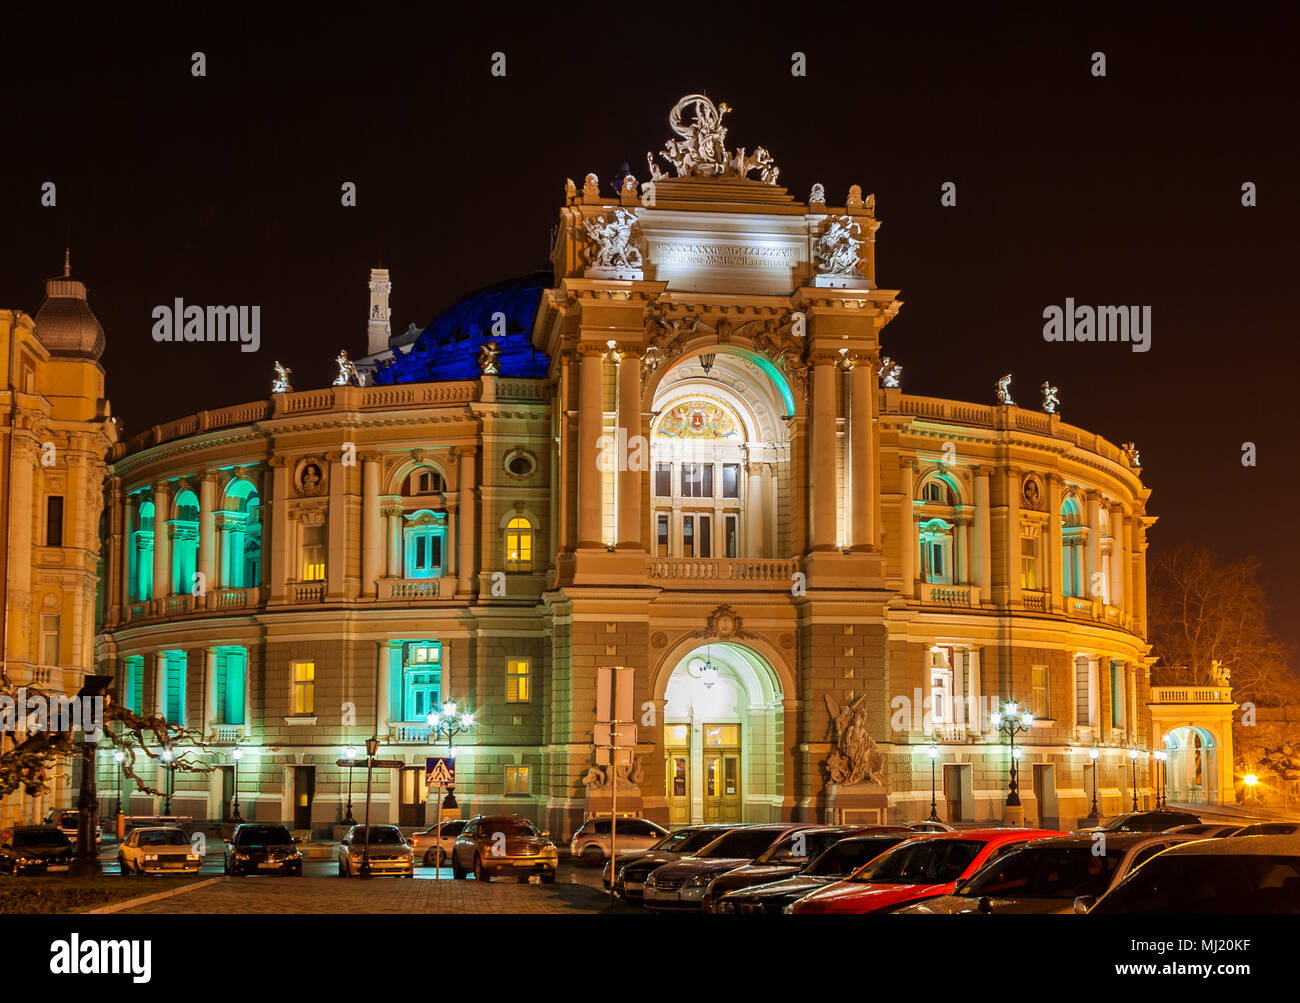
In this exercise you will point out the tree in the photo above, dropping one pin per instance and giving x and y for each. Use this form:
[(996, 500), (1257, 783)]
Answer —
[(1203, 611)]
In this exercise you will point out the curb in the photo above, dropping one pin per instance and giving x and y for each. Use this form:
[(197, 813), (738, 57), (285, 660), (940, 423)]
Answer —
[(141, 900)]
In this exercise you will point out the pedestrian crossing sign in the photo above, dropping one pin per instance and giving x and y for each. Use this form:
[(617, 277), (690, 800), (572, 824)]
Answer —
[(439, 772)]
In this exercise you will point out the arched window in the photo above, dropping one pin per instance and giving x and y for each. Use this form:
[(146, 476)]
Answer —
[(185, 542), (937, 492), (1072, 549), (141, 555), (423, 481), (424, 537), (241, 536), (519, 544), (936, 551)]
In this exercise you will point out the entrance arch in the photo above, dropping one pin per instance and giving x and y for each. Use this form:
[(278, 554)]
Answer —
[(1193, 766), (723, 734)]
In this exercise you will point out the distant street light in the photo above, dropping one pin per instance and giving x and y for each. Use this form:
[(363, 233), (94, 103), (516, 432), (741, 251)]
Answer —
[(933, 753), (1011, 721), (167, 781), (1162, 778), (351, 753), (1094, 754), (372, 749), (1133, 776), (236, 755)]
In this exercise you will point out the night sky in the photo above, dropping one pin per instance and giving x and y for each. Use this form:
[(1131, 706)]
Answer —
[(1123, 190)]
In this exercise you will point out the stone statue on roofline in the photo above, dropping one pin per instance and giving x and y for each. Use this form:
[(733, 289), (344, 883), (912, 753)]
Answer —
[(347, 375), (488, 363), (700, 151), (280, 384)]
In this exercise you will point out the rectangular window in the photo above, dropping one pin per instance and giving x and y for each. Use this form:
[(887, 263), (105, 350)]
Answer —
[(518, 680), (697, 480), (1029, 563), (54, 521), (688, 536), (731, 480), (1041, 694), (133, 688), (304, 688), (517, 780), (663, 480), (661, 532), (731, 534), (173, 682), (51, 624), (706, 536), (1117, 694), (313, 553)]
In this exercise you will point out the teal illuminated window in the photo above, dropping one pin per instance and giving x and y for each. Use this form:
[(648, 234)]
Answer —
[(133, 684), (173, 683), (185, 542), (141, 555), (421, 679), (241, 536), (425, 533), (232, 683)]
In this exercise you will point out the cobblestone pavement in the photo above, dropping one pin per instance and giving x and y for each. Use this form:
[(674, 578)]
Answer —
[(343, 896)]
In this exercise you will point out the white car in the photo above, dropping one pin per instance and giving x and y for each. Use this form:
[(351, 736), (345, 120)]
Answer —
[(592, 841), (387, 850), (423, 842), (158, 850)]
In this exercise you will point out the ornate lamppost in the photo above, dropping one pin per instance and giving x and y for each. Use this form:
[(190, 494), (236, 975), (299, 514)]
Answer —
[(933, 752), (1095, 755), (1011, 720), (236, 755), (1161, 756), (1133, 776), (167, 780), (372, 749), (351, 753), (448, 723), (118, 757)]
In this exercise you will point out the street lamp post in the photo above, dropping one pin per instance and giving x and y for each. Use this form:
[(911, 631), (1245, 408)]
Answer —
[(1161, 757), (167, 781), (1011, 720), (236, 755), (933, 753), (118, 757), (351, 754), (1133, 776), (1094, 754), (449, 723), (372, 749)]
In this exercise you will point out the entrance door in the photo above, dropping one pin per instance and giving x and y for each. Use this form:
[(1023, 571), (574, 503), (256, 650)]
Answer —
[(1045, 793), (722, 773), (304, 792), (677, 783), (414, 794), (227, 791), (697, 535)]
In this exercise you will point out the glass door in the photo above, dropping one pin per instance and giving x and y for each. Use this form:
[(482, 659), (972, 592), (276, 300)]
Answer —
[(722, 773), (677, 781)]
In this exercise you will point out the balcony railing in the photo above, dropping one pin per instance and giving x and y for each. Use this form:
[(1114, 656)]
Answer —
[(951, 595), (1035, 601), (1191, 694), (750, 573), (227, 734), (410, 733), (308, 592), (416, 589)]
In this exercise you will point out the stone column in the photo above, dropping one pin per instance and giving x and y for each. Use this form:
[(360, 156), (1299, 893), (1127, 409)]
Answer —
[(382, 711), (630, 482), (821, 471), (1056, 569), (207, 535), (371, 527), (1094, 696), (21, 615), (1012, 544), (129, 517), (393, 513), (162, 550), (468, 562), (754, 510), (1092, 587), (279, 529), (211, 712), (590, 421), (960, 560), (1118, 556), (974, 693), (452, 547), (336, 532), (160, 683), (1139, 590), (982, 547), (907, 529), (862, 460)]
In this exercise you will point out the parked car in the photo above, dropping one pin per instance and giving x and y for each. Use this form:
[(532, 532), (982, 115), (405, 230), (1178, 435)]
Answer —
[(503, 844), (1251, 874), (66, 819), (681, 885), (785, 858), (255, 847), (591, 842), (1207, 830), (423, 842), (35, 849), (926, 866), (837, 861), (1270, 829), (931, 826), (158, 850), (387, 850), (1145, 821), (680, 843), (1046, 876)]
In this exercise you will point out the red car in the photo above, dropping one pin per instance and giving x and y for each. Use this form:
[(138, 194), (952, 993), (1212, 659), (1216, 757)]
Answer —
[(922, 867)]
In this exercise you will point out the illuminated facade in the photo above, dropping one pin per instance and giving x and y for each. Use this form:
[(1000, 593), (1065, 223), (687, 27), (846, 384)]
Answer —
[(57, 433), (686, 462)]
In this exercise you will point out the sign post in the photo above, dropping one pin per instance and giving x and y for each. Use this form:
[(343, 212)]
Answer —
[(613, 708), (439, 772)]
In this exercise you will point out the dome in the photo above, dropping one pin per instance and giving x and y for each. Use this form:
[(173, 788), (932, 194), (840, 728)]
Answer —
[(65, 323)]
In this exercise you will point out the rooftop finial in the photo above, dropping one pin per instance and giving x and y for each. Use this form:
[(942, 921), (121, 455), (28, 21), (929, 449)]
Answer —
[(67, 262)]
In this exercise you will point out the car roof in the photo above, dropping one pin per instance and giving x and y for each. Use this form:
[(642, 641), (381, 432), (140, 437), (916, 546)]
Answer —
[(160, 828), (1000, 834), (1120, 840), (1239, 846)]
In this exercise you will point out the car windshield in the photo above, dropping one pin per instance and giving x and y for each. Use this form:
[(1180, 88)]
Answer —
[(379, 834), (261, 834), (848, 855), (164, 837), (688, 840), (489, 827), (1057, 872), (1209, 883), (35, 837), (748, 843), (925, 862), (798, 847)]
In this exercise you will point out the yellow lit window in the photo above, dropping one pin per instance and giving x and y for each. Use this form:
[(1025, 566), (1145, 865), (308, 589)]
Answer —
[(304, 687), (722, 734), (518, 681), (517, 780), (677, 734), (519, 544), (313, 554)]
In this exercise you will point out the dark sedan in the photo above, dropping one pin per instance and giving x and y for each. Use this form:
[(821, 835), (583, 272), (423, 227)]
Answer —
[(1145, 821), (680, 886), (787, 858), (683, 843), (835, 863), (35, 849), (263, 849)]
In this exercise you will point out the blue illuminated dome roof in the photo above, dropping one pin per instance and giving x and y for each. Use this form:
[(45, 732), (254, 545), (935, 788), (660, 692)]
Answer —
[(448, 348)]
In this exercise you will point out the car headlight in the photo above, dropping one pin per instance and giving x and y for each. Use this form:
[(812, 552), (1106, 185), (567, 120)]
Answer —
[(788, 909), (725, 906), (151, 856), (240, 855), (650, 883), (28, 861), (698, 881)]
